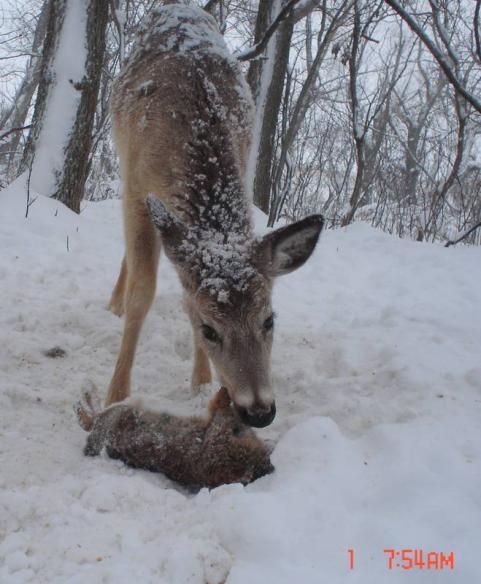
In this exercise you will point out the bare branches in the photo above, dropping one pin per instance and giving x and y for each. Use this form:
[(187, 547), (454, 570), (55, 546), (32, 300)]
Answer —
[(442, 60), (257, 49), (451, 242), (366, 111)]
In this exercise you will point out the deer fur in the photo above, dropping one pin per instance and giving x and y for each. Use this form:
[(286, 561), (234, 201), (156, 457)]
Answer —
[(182, 115), (196, 452)]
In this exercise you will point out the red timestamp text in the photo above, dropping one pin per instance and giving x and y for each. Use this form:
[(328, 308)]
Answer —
[(413, 559)]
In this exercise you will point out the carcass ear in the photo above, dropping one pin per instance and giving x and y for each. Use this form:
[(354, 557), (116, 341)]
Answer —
[(286, 249), (172, 231), (219, 402)]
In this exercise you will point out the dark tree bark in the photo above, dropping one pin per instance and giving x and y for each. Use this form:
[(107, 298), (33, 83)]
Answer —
[(263, 171), (358, 129)]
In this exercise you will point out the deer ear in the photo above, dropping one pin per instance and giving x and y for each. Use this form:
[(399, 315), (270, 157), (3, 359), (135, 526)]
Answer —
[(172, 231), (286, 249)]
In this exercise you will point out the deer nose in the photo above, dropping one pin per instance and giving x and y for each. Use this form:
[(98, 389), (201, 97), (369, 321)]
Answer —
[(257, 416)]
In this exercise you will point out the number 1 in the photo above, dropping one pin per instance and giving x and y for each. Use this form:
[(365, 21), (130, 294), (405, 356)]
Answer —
[(351, 558)]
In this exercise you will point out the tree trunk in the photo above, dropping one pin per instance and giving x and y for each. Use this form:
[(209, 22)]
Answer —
[(56, 14), (358, 129), (306, 97), (266, 78), (57, 151), (70, 188), (411, 167)]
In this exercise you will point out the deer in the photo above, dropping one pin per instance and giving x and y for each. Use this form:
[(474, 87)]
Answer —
[(182, 116)]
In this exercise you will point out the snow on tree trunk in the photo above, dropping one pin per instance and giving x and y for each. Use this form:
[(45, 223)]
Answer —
[(71, 183), (57, 100), (59, 143), (266, 78)]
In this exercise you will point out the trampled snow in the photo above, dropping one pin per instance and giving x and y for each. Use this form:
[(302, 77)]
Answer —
[(377, 375)]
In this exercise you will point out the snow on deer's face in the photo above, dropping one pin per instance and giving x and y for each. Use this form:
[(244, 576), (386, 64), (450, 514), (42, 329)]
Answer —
[(227, 280)]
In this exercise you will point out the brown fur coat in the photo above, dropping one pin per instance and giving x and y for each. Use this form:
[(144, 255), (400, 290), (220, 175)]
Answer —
[(193, 451)]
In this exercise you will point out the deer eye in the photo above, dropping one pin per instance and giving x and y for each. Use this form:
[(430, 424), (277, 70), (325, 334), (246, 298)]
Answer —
[(210, 334), (268, 323)]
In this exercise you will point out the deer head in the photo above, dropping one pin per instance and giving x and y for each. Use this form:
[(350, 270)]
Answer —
[(227, 280)]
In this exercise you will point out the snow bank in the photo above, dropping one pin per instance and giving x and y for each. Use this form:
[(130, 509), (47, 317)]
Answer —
[(378, 385)]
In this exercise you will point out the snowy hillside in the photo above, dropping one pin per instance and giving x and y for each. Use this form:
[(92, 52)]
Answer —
[(377, 375)]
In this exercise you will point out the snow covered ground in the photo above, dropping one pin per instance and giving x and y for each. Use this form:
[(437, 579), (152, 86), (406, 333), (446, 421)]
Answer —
[(377, 372)]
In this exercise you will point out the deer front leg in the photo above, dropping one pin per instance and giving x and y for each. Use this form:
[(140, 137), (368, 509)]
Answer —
[(116, 304), (142, 254), (201, 373)]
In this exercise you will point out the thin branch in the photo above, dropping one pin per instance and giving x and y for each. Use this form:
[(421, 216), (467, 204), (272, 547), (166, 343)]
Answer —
[(467, 234), (26, 54), (30, 201), (258, 48), (13, 130), (368, 38)]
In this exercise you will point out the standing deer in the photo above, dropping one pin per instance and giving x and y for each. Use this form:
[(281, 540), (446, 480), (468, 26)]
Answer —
[(182, 115)]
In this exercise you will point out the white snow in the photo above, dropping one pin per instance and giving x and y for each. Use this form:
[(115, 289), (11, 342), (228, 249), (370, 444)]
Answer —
[(377, 376), (68, 67)]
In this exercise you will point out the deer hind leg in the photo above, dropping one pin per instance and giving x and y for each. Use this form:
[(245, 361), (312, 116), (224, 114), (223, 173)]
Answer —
[(201, 371), (142, 256), (116, 304)]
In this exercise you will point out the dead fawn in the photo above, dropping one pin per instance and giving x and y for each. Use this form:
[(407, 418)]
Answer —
[(193, 451), (182, 116)]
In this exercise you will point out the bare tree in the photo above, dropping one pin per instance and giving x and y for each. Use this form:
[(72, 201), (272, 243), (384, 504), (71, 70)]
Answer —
[(306, 97), (365, 109), (440, 50), (15, 116)]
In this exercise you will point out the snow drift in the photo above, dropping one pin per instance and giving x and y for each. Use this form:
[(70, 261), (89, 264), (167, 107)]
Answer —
[(378, 383)]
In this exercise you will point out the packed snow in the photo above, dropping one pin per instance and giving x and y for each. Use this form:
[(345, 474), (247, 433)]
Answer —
[(377, 374)]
